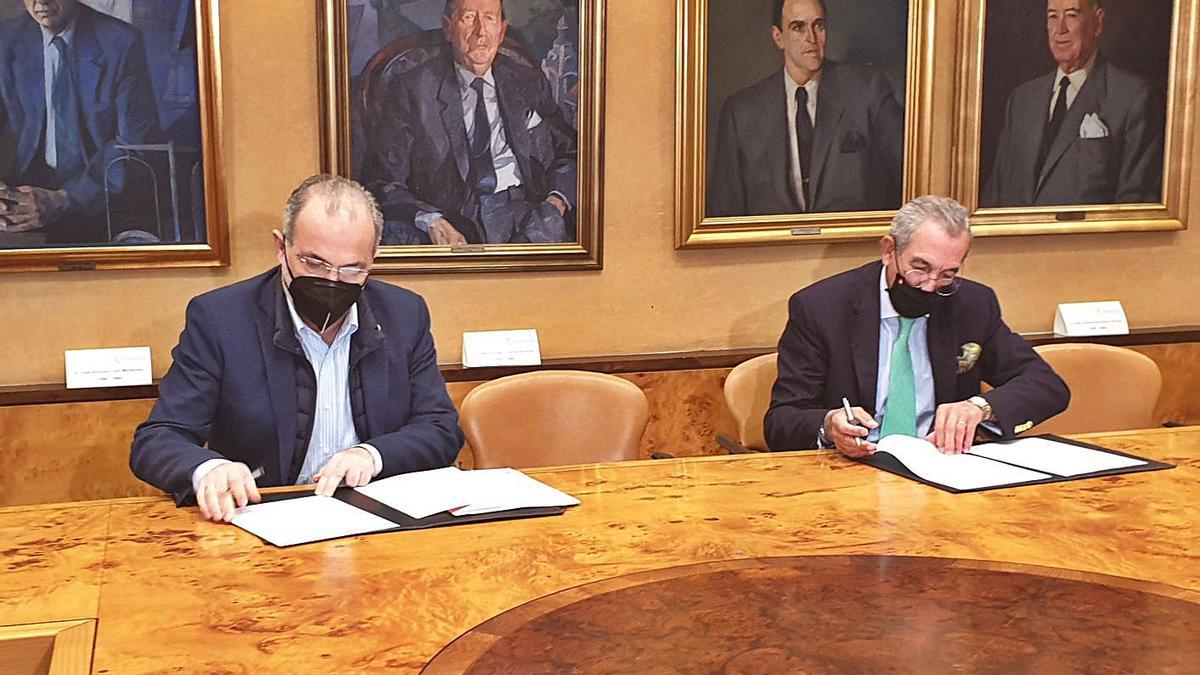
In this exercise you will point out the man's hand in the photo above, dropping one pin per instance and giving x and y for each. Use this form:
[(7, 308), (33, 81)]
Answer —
[(954, 426), (225, 489), (31, 208), (355, 466), (442, 233), (839, 430), (558, 203)]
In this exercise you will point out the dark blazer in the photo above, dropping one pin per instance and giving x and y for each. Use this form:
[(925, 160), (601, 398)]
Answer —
[(1125, 167), (830, 349), (231, 391), (420, 161), (116, 106), (858, 147)]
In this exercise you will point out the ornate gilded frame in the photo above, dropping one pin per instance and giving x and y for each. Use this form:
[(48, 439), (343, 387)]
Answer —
[(1168, 214), (582, 254), (215, 251), (693, 229)]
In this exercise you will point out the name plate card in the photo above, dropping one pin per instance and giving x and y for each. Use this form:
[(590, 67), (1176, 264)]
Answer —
[(118, 367), (501, 348), (1079, 319)]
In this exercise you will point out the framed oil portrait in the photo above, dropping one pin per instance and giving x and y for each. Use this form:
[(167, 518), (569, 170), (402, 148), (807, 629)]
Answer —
[(476, 124), (109, 129), (1074, 115), (799, 120)]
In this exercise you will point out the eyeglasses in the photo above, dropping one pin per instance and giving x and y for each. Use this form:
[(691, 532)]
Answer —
[(946, 283), (320, 268)]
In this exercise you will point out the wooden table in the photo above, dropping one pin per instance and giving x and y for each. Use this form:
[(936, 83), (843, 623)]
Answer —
[(171, 591)]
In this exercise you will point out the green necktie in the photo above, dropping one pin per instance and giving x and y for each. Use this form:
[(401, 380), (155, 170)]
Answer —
[(900, 417)]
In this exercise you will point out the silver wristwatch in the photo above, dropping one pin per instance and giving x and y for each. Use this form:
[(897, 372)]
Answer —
[(984, 406)]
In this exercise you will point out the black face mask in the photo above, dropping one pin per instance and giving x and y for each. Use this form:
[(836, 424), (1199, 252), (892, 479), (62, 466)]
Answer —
[(912, 303), (321, 301)]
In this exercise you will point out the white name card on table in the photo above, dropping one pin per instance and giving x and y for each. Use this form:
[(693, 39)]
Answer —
[(1078, 319), (118, 367), (501, 348)]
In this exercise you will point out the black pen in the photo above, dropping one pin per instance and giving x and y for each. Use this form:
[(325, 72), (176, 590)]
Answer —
[(850, 420)]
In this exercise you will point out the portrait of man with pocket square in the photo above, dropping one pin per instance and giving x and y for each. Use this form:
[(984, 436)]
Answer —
[(817, 134), (467, 132), (1088, 129)]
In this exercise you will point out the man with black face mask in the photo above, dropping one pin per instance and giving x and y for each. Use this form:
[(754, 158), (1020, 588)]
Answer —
[(308, 373), (908, 341)]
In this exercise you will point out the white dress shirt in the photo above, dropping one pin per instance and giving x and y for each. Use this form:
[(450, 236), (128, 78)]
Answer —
[(1074, 83)]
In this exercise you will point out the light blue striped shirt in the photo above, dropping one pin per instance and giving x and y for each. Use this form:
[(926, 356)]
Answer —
[(333, 421), (918, 347)]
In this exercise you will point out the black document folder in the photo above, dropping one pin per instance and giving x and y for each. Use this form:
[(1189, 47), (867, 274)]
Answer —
[(892, 464), (392, 520)]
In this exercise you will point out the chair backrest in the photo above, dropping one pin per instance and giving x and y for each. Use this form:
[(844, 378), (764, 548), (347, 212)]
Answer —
[(748, 395), (554, 417), (1112, 388)]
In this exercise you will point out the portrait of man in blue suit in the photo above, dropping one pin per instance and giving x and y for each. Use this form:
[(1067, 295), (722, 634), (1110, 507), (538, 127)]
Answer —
[(73, 85)]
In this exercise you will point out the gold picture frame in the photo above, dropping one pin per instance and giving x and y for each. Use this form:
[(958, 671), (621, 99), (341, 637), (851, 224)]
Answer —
[(178, 206), (695, 229), (343, 99), (970, 173)]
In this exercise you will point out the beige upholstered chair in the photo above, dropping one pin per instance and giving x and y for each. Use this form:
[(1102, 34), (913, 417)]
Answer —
[(1112, 388), (748, 394), (554, 417)]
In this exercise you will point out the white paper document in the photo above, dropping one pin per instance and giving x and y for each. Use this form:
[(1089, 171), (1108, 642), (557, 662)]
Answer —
[(1061, 459), (307, 519), (961, 472), (116, 367), (501, 348), (422, 493), (494, 490)]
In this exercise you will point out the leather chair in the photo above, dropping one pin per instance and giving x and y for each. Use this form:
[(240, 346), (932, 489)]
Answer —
[(554, 417), (1112, 388), (748, 394)]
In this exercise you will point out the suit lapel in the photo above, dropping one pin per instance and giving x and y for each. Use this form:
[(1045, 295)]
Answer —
[(512, 106), (777, 161), (1087, 101), (277, 339), (450, 97), (942, 354), (864, 337), (368, 358), (829, 113)]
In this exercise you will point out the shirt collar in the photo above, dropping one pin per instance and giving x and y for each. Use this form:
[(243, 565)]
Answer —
[(813, 84), (1078, 77), (349, 326), (886, 310), (68, 35), (466, 76)]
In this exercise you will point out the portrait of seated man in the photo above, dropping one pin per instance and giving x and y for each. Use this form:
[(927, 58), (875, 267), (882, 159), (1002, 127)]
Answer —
[(470, 146), (816, 135), (1088, 132), (74, 86)]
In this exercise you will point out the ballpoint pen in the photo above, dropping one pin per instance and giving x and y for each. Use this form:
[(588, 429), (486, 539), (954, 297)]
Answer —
[(850, 420)]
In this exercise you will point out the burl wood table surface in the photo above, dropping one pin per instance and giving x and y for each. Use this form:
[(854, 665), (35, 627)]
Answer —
[(658, 553)]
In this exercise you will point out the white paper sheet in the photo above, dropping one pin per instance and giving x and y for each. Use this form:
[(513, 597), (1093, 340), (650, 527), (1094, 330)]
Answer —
[(306, 519), (1061, 459), (494, 490), (422, 493), (961, 472)]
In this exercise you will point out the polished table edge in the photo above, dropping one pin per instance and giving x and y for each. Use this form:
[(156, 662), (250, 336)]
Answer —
[(56, 392)]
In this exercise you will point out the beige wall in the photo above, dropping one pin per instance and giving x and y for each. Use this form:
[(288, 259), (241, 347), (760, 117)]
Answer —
[(649, 297)]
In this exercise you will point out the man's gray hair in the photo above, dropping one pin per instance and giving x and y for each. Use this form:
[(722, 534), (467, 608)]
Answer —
[(947, 213), (334, 189)]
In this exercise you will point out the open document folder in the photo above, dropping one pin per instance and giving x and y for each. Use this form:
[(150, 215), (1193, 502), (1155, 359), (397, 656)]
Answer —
[(409, 501), (1025, 461)]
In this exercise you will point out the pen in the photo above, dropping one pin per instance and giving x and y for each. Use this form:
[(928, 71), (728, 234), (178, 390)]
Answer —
[(257, 473), (850, 420)]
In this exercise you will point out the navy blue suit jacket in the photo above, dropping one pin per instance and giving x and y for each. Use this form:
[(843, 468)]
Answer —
[(231, 391), (116, 103), (830, 349), (420, 161)]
